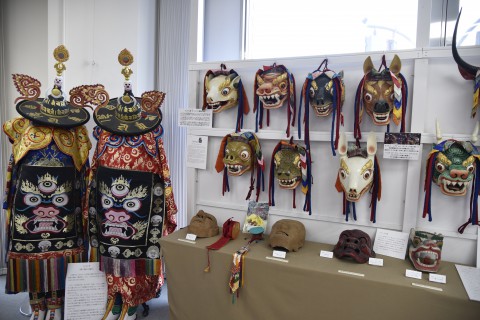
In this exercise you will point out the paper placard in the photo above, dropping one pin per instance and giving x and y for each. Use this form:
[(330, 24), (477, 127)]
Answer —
[(391, 243), (326, 254), (439, 278), (195, 118), (85, 291), (279, 254), (276, 259), (375, 262), (401, 146), (413, 274), (191, 237), (471, 280), (197, 148)]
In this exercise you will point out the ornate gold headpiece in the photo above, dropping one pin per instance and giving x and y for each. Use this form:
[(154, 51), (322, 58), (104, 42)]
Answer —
[(61, 55), (125, 58)]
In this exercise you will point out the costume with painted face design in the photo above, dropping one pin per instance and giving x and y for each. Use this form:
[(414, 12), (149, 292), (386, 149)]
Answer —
[(203, 225), (323, 92), (359, 172), (46, 190), (468, 71), (354, 244), (238, 154), (425, 250), (453, 165), (274, 88), (223, 90), (287, 234), (130, 197), (291, 166), (383, 95)]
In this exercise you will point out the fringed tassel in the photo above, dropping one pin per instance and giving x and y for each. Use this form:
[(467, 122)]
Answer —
[(375, 191), (294, 204), (357, 106), (308, 196), (473, 199), (404, 101)]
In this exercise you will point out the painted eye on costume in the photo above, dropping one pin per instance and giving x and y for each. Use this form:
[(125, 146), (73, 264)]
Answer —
[(132, 205), (367, 174), (120, 190), (343, 174), (312, 92), (47, 186), (368, 97), (107, 203), (470, 168), (225, 91), (282, 85), (244, 155), (31, 199), (440, 167), (60, 200)]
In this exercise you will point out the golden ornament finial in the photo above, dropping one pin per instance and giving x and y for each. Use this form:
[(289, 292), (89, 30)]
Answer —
[(61, 55), (126, 58)]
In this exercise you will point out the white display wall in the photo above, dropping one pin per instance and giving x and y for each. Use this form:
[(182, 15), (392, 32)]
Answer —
[(436, 91)]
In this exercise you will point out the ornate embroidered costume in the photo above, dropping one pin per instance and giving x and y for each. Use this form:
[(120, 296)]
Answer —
[(45, 192), (131, 202)]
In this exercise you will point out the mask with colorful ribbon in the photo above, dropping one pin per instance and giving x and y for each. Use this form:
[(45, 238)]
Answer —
[(274, 88), (453, 165), (359, 172), (383, 94), (323, 91), (291, 166), (240, 153), (223, 90), (468, 71)]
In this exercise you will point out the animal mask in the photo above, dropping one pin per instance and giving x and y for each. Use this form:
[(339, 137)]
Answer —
[(323, 91), (354, 244), (383, 94), (468, 71), (425, 250), (240, 153), (204, 225), (290, 165), (224, 90), (452, 165), (287, 234), (359, 172), (274, 87)]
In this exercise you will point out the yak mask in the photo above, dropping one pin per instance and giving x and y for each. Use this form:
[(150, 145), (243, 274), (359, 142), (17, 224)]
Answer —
[(224, 90), (204, 225), (467, 71), (354, 244), (290, 166), (274, 87), (452, 165), (240, 153), (383, 95), (323, 92), (287, 234), (425, 250), (359, 172)]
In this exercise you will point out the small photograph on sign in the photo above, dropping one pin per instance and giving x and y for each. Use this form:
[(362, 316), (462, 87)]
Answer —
[(402, 146)]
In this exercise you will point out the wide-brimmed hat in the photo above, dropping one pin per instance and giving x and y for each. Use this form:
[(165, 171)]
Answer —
[(129, 115), (54, 109)]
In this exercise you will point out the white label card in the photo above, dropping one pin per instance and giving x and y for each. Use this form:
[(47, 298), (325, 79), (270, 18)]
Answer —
[(391, 243), (279, 254), (195, 118), (375, 262), (439, 278), (197, 148), (401, 146), (191, 236), (413, 274), (326, 254)]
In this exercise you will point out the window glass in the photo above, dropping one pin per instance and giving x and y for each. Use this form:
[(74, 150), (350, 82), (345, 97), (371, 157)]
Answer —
[(286, 28)]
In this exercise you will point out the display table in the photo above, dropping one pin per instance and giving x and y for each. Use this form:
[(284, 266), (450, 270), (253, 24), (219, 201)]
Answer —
[(307, 287)]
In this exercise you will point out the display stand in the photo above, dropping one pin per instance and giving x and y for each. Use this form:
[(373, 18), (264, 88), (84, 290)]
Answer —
[(307, 286)]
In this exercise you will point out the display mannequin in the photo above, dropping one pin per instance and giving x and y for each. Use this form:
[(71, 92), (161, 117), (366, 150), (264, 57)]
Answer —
[(131, 202), (45, 191)]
